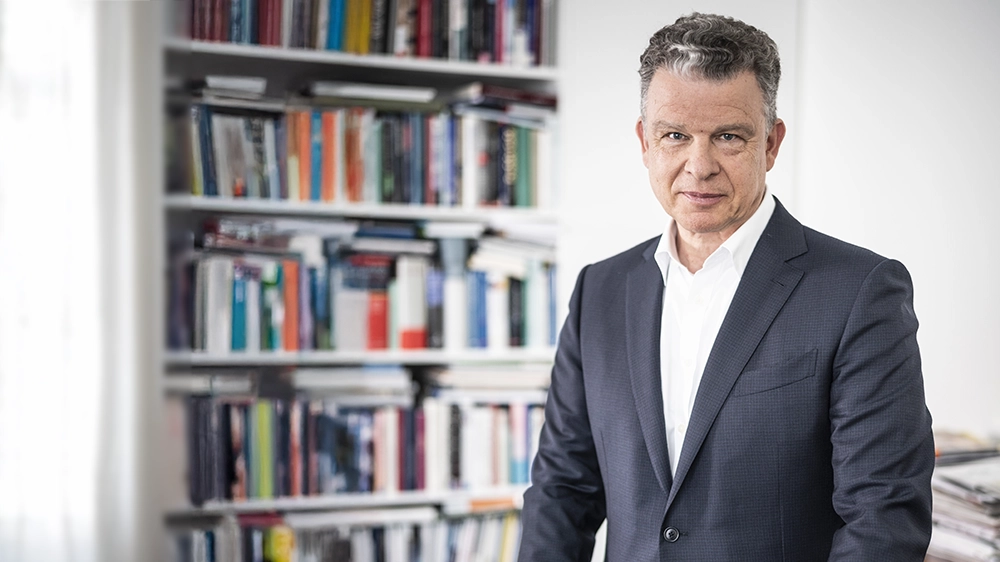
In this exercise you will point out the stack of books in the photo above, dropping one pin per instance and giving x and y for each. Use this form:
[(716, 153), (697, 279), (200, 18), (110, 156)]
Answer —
[(966, 511)]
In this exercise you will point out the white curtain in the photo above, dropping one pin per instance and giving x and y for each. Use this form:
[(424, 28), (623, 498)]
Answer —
[(78, 181)]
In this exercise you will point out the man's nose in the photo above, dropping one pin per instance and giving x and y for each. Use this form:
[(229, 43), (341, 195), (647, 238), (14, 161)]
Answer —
[(701, 160)]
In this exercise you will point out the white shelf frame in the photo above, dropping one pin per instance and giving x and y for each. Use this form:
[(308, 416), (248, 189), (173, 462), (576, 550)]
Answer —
[(452, 501), (417, 357), (387, 62), (504, 215)]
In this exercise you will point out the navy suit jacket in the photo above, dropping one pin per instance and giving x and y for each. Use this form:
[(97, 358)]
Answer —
[(809, 438)]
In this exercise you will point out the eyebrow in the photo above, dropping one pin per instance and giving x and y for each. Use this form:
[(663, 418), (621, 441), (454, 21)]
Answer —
[(742, 128)]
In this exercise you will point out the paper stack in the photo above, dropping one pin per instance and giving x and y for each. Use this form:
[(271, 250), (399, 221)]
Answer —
[(966, 511)]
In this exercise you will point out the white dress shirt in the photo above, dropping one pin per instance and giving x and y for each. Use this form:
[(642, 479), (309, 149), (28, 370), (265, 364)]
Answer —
[(694, 306)]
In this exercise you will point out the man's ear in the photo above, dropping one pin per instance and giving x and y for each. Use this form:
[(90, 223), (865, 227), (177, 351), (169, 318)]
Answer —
[(774, 139), (640, 131)]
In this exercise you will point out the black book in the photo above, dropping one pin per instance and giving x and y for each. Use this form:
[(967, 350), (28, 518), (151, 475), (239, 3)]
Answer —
[(378, 38), (435, 308), (494, 161), (516, 308), (454, 446)]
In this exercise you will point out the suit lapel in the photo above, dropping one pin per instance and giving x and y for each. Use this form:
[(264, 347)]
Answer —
[(643, 307), (765, 286)]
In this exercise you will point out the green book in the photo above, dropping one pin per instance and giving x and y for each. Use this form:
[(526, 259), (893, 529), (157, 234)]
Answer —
[(522, 186)]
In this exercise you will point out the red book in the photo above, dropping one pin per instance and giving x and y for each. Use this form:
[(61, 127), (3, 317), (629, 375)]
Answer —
[(290, 333), (329, 151), (295, 448), (424, 24), (419, 453), (498, 30), (378, 320)]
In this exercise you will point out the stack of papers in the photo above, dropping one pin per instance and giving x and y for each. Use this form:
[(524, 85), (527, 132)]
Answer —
[(966, 511)]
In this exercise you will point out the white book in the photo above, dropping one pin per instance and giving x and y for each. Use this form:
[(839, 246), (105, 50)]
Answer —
[(357, 90), (472, 146), (456, 331), (223, 172), (218, 305), (271, 160), (411, 277), (497, 311), (536, 289), (501, 447), (251, 187), (322, 24), (391, 439), (286, 22), (518, 421), (435, 450), (477, 447), (350, 319), (371, 142), (544, 170)]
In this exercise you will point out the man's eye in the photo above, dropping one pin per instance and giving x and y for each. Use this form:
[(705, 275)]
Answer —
[(728, 137), (674, 136)]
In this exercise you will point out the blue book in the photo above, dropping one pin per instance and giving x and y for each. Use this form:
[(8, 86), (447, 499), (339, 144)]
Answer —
[(250, 13), (239, 333), (335, 31), (204, 119), (236, 21), (316, 139), (281, 147), (417, 159)]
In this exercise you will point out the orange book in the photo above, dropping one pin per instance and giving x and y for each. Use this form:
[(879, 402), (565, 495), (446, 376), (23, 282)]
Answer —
[(353, 158), (378, 320), (329, 169), (305, 154), (290, 335)]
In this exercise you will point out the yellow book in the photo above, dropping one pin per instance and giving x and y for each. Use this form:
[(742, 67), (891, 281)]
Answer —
[(364, 24), (265, 444), (279, 544)]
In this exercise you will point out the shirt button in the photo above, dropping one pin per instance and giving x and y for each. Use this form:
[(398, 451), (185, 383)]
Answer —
[(682, 428), (671, 535)]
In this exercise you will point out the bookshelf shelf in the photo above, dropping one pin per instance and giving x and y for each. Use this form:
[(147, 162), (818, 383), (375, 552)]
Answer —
[(187, 203), (402, 357), (454, 501), (333, 59)]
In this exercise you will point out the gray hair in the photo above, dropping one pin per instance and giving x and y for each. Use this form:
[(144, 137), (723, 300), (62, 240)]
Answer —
[(717, 48)]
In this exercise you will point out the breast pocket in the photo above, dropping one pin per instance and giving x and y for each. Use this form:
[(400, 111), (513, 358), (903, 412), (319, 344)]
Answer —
[(771, 377)]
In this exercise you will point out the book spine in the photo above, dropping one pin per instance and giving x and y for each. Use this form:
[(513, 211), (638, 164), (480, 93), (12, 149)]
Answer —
[(290, 270)]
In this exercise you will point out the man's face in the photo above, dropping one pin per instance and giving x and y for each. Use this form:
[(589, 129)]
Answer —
[(707, 149)]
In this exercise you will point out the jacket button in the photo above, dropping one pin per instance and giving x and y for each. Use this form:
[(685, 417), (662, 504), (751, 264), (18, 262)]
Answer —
[(671, 535)]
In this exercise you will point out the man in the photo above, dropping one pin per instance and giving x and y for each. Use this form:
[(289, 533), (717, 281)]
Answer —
[(741, 387)]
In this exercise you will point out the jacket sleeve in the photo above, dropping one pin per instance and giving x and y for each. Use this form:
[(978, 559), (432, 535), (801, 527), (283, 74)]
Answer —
[(564, 506), (883, 448)]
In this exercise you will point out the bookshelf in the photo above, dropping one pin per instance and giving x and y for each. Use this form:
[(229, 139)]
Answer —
[(290, 429)]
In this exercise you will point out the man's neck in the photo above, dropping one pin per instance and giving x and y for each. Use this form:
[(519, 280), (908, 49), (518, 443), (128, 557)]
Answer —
[(693, 248)]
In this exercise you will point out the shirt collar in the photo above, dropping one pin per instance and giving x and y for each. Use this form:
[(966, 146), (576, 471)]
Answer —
[(740, 245)]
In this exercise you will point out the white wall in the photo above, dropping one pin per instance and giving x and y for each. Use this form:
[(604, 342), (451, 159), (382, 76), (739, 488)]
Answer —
[(898, 152), (891, 115)]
